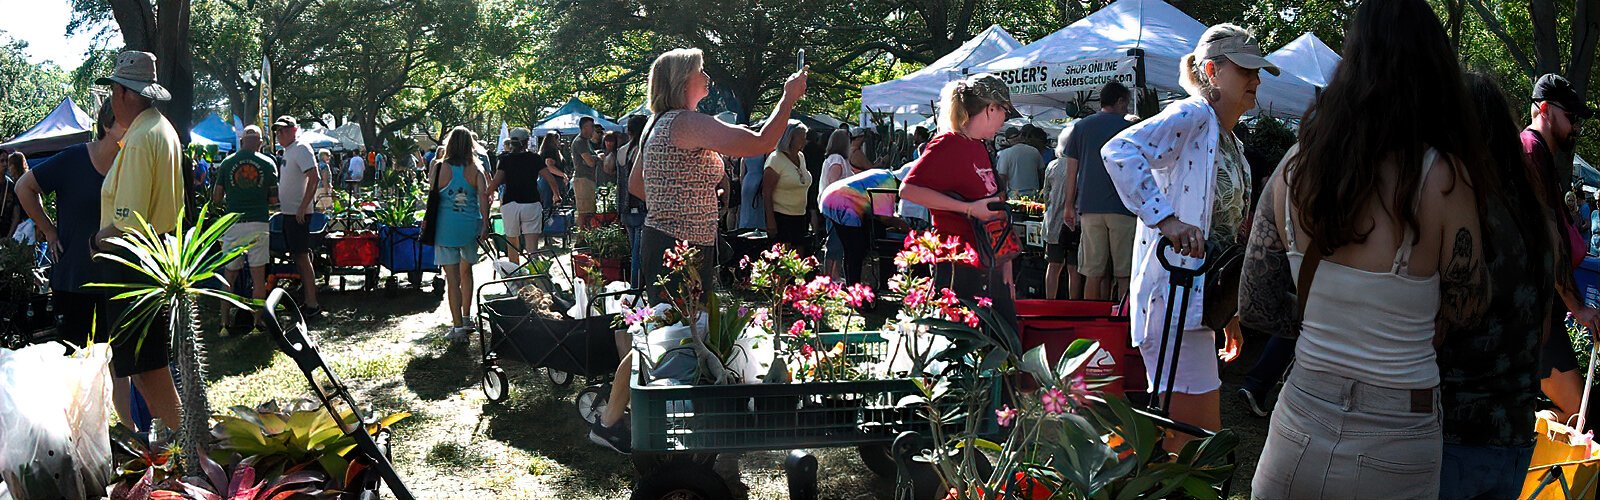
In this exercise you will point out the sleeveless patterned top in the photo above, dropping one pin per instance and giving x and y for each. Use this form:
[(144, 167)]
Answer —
[(680, 186)]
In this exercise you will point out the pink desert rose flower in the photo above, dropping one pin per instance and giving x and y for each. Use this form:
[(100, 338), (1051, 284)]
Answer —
[(985, 302), (1054, 401), (1006, 414), (797, 328)]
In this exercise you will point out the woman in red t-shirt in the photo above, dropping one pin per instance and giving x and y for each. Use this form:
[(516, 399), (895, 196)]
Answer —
[(954, 179)]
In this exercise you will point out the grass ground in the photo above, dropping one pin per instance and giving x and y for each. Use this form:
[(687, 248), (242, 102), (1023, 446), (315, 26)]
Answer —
[(390, 351)]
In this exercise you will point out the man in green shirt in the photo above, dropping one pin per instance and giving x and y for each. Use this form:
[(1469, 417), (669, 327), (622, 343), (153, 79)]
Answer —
[(245, 184)]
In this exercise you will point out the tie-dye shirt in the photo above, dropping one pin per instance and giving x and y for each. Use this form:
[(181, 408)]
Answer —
[(847, 201)]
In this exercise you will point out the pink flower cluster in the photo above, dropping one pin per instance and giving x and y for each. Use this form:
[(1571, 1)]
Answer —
[(680, 254), (922, 248)]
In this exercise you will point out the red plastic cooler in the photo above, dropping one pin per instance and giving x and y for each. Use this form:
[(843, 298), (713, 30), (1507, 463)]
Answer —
[(1054, 324)]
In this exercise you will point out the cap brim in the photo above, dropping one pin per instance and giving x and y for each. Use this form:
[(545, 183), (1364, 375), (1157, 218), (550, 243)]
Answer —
[(1252, 61), (151, 90), (1011, 112)]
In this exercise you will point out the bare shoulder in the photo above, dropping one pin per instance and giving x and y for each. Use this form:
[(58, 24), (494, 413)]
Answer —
[(1447, 187)]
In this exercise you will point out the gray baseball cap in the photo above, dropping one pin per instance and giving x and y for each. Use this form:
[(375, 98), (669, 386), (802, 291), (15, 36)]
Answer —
[(137, 72), (1240, 48)]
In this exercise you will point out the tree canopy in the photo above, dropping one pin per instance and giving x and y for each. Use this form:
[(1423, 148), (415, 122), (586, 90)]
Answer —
[(402, 67)]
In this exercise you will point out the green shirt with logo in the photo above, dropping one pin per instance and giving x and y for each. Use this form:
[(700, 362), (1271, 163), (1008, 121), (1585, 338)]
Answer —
[(247, 178)]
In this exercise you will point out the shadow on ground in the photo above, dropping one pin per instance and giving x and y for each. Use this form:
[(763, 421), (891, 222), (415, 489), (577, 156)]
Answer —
[(435, 374), (542, 419)]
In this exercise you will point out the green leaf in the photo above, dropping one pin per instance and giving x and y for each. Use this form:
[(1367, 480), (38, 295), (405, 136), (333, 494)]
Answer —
[(1075, 357), (994, 360), (1033, 363)]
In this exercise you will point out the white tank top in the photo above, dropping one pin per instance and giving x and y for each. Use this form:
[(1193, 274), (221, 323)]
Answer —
[(1376, 328)]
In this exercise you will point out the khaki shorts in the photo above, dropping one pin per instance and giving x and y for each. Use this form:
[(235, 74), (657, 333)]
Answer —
[(522, 218), (1106, 245), (583, 194), (252, 236)]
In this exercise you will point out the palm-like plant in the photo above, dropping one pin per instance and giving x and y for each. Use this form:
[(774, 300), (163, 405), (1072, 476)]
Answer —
[(174, 266)]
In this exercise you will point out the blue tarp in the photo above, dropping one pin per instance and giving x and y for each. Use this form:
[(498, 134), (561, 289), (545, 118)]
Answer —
[(564, 120), (216, 131)]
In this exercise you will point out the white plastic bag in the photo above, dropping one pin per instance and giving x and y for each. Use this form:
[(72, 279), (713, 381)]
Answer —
[(54, 422), (580, 300), (506, 269)]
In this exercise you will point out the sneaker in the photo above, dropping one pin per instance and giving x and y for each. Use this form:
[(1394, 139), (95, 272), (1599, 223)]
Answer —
[(456, 334), (618, 438), (1254, 403)]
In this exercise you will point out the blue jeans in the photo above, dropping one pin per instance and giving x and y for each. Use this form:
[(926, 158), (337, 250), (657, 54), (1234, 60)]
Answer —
[(635, 225), (1263, 377), (1483, 472)]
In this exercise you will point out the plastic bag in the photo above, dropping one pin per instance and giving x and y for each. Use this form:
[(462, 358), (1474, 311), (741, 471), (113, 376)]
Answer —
[(580, 300), (54, 422), (504, 268)]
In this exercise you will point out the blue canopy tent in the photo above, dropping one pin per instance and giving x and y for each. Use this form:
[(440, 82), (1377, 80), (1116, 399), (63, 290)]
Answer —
[(565, 119), (64, 126), (214, 131)]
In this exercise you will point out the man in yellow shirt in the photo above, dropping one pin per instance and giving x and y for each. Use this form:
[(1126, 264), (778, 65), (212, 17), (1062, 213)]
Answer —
[(145, 180)]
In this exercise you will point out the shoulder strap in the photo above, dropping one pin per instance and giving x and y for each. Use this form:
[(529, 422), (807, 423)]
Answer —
[(1402, 255)]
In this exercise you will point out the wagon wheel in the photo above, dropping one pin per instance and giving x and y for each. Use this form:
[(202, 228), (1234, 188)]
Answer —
[(557, 377), (687, 482), (591, 402), (495, 385)]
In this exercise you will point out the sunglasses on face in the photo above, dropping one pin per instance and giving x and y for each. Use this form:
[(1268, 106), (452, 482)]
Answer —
[(1572, 119)]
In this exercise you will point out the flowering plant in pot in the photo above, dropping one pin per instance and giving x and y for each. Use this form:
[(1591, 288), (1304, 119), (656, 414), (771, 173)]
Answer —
[(1064, 439), (608, 246), (798, 314)]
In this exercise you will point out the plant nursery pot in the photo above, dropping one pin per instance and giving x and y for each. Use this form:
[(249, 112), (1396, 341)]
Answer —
[(611, 269), (605, 218)]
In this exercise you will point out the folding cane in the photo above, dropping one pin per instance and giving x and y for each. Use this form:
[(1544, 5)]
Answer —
[(1180, 277)]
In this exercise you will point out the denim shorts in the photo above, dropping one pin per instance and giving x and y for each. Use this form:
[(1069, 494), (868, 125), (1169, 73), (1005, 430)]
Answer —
[(449, 256)]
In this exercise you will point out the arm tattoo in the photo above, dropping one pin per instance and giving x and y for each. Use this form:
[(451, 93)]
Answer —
[(1266, 286), (1462, 282)]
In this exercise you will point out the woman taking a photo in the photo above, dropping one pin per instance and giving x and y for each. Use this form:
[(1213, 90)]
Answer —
[(679, 170), (785, 184), (462, 218), (955, 180), (554, 184), (1377, 217), (1184, 175)]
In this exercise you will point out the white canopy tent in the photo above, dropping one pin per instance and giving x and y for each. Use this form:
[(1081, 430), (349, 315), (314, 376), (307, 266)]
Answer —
[(915, 94), (349, 135), (1308, 59), (1068, 66)]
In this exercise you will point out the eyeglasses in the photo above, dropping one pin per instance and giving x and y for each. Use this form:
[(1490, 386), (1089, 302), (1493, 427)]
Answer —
[(1572, 119)]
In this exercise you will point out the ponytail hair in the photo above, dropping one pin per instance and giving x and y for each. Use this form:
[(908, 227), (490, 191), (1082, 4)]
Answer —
[(958, 103), (1191, 68)]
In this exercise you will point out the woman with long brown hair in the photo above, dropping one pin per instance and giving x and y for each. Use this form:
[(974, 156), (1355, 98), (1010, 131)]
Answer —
[(1376, 216), (462, 218)]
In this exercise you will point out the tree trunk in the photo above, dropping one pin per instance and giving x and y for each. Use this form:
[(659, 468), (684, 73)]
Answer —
[(177, 74), (1546, 48), (195, 427)]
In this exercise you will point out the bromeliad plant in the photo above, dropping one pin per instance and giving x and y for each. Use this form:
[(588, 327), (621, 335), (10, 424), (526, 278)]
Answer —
[(173, 267), (280, 440)]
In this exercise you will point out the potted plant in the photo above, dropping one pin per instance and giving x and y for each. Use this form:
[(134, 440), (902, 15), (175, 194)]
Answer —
[(1064, 439), (400, 230), (24, 305), (173, 266), (608, 247), (605, 205)]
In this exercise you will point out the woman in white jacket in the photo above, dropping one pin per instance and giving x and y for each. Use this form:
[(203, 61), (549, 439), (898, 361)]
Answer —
[(1183, 173)]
